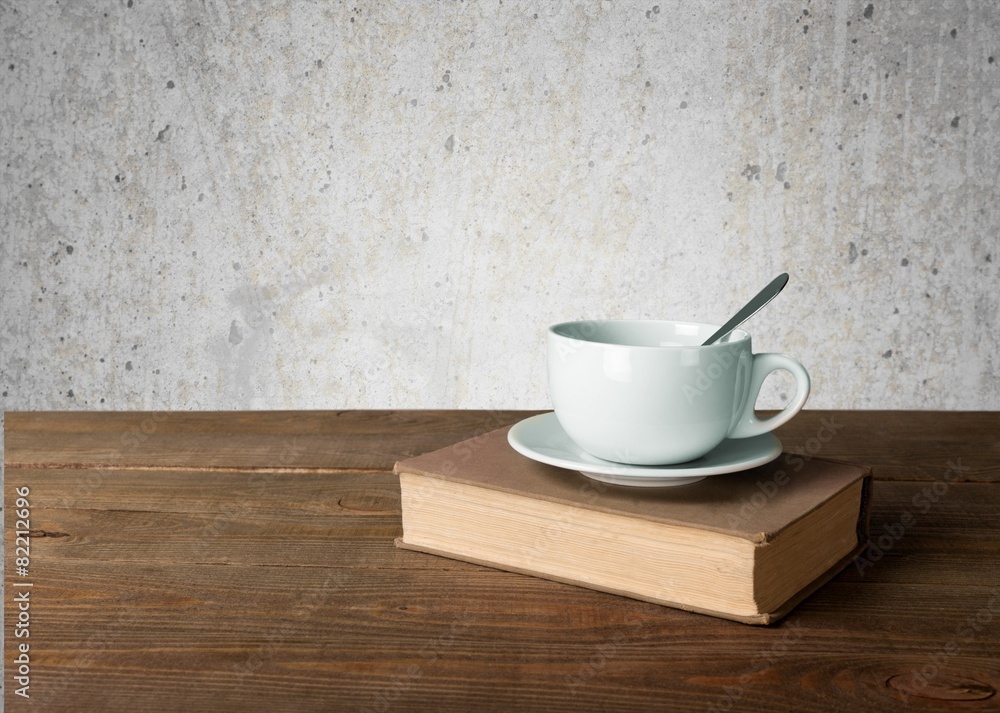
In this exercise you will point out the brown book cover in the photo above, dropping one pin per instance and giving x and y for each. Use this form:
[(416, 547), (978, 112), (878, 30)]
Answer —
[(756, 506)]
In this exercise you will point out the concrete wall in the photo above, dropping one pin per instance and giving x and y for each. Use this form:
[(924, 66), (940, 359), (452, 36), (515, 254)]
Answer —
[(350, 205)]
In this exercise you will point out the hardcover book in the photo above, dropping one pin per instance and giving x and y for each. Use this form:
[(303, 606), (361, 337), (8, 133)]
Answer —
[(747, 546)]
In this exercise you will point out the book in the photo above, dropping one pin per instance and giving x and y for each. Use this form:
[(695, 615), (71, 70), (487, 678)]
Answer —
[(746, 546)]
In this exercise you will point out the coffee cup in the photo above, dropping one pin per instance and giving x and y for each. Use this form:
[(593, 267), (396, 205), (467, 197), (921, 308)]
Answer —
[(645, 392)]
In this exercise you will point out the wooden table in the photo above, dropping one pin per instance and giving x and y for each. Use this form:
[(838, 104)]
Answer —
[(245, 561)]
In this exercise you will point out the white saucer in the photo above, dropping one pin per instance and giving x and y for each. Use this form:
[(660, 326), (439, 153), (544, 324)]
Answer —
[(541, 438)]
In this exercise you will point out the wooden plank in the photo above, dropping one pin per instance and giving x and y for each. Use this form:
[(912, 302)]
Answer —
[(902, 445), (819, 682), (303, 495), (251, 440), (312, 638), (243, 598), (898, 445), (310, 519)]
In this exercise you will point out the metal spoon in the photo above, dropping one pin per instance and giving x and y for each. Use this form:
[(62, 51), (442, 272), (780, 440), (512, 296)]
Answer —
[(750, 308)]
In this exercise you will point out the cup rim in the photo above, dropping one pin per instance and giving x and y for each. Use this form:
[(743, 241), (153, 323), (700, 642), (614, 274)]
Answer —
[(734, 337)]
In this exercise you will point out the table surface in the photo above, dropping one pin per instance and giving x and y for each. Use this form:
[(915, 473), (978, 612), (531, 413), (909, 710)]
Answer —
[(245, 561)]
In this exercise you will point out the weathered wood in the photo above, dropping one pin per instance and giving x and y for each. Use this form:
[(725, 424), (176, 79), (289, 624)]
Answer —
[(902, 445), (291, 441), (312, 519), (302, 495), (898, 445), (245, 582), (239, 638)]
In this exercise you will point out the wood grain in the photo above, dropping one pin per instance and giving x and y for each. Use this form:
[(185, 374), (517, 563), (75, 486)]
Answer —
[(284, 441), (243, 584), (312, 519), (201, 635), (898, 445), (902, 445)]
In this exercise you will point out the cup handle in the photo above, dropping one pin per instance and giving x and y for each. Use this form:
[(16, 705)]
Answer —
[(748, 424)]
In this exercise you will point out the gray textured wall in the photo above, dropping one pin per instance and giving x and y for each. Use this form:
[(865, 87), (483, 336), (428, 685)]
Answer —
[(320, 204)]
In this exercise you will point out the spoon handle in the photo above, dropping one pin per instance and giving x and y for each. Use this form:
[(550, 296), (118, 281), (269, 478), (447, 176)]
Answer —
[(750, 308)]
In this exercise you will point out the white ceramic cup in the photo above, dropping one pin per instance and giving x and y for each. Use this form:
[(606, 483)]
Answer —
[(647, 393)]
